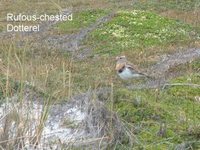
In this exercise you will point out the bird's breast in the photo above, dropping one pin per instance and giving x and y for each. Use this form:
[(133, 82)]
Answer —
[(125, 74)]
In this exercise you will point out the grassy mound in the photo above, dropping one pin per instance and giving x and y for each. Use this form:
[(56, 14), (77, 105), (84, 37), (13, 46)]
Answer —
[(134, 29)]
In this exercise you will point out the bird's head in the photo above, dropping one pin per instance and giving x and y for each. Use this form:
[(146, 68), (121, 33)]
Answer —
[(121, 61), (118, 58)]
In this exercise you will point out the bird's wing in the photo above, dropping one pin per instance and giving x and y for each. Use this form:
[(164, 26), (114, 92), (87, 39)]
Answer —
[(134, 69)]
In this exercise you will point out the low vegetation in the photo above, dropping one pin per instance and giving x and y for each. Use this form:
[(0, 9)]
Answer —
[(137, 29)]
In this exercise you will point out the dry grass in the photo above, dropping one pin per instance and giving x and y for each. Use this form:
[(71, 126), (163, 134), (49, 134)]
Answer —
[(190, 17)]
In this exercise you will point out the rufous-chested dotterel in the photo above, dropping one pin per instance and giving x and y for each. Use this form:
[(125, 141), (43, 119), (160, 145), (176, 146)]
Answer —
[(126, 70)]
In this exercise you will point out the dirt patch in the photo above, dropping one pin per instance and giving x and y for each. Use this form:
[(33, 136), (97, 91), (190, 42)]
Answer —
[(72, 42), (174, 60), (161, 71), (68, 42)]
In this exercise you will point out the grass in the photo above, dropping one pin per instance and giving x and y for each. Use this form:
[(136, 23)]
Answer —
[(175, 106), (80, 20), (141, 35), (185, 10), (9, 84), (186, 91), (137, 29)]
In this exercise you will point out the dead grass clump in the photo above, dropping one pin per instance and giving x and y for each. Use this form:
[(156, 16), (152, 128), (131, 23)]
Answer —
[(100, 122), (14, 129)]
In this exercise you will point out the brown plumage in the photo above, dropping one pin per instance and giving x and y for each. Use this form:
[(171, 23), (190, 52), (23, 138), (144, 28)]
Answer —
[(126, 70)]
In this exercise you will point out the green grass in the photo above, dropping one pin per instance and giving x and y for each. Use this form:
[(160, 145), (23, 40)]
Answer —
[(186, 91), (137, 29), (7, 87), (175, 106), (80, 20)]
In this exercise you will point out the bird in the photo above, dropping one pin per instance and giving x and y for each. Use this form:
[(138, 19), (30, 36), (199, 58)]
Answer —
[(126, 70)]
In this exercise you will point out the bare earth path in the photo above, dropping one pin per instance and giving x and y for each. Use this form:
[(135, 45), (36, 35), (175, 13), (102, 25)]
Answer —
[(161, 70)]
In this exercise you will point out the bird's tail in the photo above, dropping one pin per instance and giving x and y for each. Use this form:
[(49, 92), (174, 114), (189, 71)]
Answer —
[(147, 76), (150, 77)]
